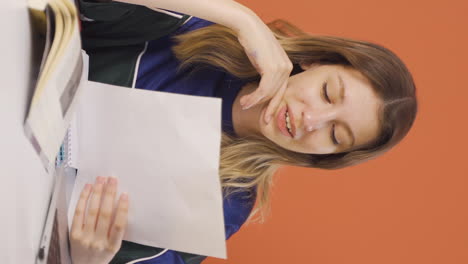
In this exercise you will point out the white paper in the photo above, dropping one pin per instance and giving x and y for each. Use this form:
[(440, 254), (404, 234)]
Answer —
[(164, 148)]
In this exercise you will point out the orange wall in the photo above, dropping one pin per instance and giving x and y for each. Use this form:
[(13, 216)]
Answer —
[(409, 206)]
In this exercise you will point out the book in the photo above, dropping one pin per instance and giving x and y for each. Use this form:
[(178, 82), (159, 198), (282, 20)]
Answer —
[(62, 70)]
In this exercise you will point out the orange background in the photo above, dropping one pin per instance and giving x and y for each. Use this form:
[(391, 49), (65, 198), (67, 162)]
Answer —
[(409, 206)]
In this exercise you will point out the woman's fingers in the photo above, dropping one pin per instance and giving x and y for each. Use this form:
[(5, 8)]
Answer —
[(95, 236), (273, 80), (270, 60), (274, 103), (120, 223), (93, 206), (107, 207), (249, 100), (272, 85), (78, 218)]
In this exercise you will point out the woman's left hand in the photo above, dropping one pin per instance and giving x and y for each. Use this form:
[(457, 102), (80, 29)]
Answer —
[(270, 60), (98, 228)]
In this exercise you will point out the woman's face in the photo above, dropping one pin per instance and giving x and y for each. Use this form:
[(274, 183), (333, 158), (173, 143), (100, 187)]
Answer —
[(328, 109)]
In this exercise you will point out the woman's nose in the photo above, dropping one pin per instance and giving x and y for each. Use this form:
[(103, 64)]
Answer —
[(317, 119)]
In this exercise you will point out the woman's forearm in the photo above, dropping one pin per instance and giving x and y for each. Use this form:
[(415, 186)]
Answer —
[(228, 13), (262, 48)]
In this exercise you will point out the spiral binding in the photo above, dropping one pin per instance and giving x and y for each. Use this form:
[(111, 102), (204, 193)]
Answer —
[(68, 144)]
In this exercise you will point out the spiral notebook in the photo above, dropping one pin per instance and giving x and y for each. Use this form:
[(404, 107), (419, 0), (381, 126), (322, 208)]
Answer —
[(70, 145)]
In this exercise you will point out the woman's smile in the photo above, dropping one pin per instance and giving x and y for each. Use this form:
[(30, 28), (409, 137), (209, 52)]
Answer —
[(285, 122), (282, 122), (290, 122)]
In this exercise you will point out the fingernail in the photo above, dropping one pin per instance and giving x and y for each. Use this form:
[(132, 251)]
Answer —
[(268, 118), (100, 179), (245, 100), (246, 107), (112, 181), (87, 187), (124, 196)]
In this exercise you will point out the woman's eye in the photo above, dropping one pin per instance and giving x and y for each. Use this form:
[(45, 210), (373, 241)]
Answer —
[(325, 92), (333, 136)]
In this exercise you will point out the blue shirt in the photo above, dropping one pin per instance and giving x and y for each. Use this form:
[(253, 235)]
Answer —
[(157, 71)]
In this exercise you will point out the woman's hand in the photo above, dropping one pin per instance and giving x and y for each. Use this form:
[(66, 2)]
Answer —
[(97, 229), (269, 58), (263, 50)]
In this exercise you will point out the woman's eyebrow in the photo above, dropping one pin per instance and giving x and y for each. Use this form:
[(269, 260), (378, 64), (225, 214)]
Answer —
[(345, 125), (349, 132), (342, 88)]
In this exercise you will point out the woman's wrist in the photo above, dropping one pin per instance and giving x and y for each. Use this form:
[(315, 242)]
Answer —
[(243, 18)]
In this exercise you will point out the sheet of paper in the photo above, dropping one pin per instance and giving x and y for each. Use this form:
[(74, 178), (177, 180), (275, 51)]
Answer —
[(164, 148)]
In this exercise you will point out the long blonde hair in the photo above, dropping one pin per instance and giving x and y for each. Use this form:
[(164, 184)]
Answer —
[(249, 163)]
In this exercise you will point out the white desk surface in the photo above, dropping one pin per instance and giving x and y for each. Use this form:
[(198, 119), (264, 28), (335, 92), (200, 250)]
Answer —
[(25, 185)]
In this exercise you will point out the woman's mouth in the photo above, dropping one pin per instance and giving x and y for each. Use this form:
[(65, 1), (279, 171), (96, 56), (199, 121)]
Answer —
[(285, 122)]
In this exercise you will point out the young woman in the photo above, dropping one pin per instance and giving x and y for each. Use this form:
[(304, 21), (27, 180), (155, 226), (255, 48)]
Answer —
[(289, 98)]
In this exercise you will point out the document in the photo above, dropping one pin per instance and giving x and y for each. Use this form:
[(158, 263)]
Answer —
[(164, 148)]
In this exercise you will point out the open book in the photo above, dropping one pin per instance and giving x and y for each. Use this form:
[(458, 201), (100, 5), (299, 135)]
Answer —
[(61, 72)]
